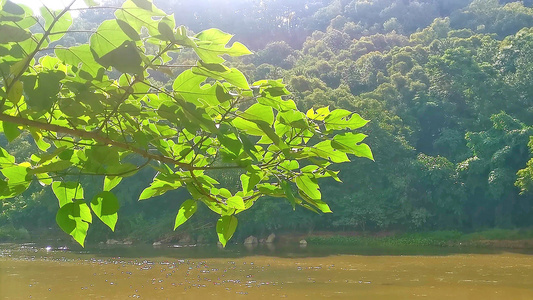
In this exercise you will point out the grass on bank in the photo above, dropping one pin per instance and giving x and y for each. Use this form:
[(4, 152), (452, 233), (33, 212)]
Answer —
[(9, 233), (434, 238)]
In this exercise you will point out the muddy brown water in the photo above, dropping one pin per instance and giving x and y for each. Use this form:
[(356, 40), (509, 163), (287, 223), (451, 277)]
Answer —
[(34, 272)]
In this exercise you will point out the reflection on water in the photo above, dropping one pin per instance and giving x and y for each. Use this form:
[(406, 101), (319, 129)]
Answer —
[(121, 272)]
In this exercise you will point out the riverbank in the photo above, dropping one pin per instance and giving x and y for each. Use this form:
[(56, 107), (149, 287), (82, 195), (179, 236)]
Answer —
[(496, 238), (492, 238)]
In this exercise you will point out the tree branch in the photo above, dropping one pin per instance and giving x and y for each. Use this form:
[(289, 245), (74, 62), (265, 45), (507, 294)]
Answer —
[(106, 141)]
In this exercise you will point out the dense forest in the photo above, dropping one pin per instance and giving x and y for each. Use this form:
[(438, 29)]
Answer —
[(446, 85)]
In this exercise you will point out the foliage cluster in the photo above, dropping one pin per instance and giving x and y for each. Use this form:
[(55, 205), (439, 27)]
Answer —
[(440, 238)]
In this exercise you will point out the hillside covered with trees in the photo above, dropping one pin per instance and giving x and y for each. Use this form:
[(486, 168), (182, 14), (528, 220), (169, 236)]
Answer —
[(447, 87)]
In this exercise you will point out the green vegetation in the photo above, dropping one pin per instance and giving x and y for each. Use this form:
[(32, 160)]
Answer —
[(436, 238), (447, 86), (10, 233)]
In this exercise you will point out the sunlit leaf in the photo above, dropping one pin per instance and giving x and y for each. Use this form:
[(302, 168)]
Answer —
[(187, 209), (226, 226), (105, 206), (16, 174), (236, 202), (308, 186), (212, 44), (342, 119), (111, 181), (350, 143), (80, 57), (60, 26), (66, 192), (74, 218), (15, 93)]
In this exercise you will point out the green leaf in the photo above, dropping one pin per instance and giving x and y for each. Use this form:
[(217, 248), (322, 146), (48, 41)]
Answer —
[(320, 114), (72, 108), (212, 44), (249, 181), (326, 151), (15, 93), (105, 206), (20, 14), (108, 37), (287, 189), (324, 207), (188, 85), (249, 127), (259, 112), (349, 143), (10, 33), (342, 119), (42, 90), (110, 182), (6, 159), (11, 8), (11, 130), (236, 202), (158, 188), (226, 226), (61, 25), (125, 58), (187, 209), (79, 57), (67, 191), (74, 218), (230, 142), (166, 28), (104, 155), (277, 103), (52, 167), (308, 186), (293, 118), (44, 179), (16, 174), (140, 13), (220, 72), (317, 203)]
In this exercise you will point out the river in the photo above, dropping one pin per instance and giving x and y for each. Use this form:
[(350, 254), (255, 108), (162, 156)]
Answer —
[(314, 272)]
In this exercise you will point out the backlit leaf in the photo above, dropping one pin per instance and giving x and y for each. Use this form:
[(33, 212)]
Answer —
[(308, 186), (212, 44), (236, 202), (226, 226), (187, 209), (349, 143), (11, 130), (111, 181), (105, 206), (67, 191), (74, 218), (10, 33)]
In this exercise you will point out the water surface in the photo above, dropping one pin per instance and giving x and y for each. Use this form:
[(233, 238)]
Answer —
[(145, 272)]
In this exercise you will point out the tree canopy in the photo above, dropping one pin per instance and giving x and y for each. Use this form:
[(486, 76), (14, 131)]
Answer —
[(94, 109)]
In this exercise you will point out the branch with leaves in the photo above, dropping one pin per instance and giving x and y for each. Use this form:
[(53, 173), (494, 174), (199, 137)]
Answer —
[(91, 110)]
